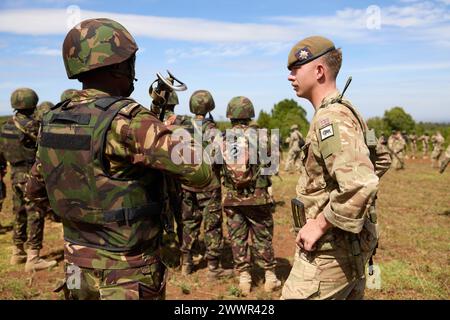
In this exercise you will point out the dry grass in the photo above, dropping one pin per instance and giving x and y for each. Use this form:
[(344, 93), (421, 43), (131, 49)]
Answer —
[(414, 213)]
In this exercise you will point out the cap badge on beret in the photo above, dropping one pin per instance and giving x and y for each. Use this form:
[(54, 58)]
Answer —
[(303, 54)]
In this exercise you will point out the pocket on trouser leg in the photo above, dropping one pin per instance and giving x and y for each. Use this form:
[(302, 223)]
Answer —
[(145, 283), (302, 282)]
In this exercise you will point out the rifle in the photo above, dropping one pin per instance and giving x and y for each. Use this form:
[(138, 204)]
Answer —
[(161, 88), (395, 154)]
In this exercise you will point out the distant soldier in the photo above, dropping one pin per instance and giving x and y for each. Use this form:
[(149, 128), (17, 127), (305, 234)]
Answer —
[(406, 139), (425, 138), (397, 146), (18, 147), (413, 144), (42, 109), (438, 146), (382, 140), (246, 202), (446, 160), (203, 204), (101, 157), (296, 142)]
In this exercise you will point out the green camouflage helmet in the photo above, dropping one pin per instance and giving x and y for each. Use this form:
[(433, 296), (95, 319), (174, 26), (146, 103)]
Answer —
[(24, 98), (42, 109), (201, 102), (294, 127), (68, 94), (173, 99), (240, 108), (96, 43)]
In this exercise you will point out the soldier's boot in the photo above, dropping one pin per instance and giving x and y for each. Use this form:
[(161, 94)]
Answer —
[(186, 267), (215, 271), (272, 283), (19, 255), (36, 263), (245, 283)]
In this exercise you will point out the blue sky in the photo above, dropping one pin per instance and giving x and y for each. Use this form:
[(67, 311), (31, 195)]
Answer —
[(398, 52)]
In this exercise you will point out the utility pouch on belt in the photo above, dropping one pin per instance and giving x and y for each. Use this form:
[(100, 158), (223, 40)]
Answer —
[(298, 214)]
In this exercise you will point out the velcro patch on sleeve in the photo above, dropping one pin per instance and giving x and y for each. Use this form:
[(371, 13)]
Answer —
[(329, 140), (326, 132)]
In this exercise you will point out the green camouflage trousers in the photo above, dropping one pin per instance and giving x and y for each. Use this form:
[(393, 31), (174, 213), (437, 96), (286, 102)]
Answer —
[(27, 216), (255, 222), (143, 283), (207, 207)]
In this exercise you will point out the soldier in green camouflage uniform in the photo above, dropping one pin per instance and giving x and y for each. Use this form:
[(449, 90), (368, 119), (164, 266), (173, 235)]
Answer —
[(246, 201), (18, 147), (338, 182), (203, 204), (3, 166), (101, 157)]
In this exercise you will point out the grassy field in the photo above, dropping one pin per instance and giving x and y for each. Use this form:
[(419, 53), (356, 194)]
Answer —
[(414, 251)]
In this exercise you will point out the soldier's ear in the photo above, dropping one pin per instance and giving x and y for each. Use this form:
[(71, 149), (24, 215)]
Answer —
[(320, 71)]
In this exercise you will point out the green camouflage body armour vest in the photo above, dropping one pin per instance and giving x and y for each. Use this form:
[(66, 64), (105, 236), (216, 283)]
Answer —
[(98, 210), (19, 150)]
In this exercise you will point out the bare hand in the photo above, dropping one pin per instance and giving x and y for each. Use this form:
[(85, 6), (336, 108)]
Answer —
[(311, 232)]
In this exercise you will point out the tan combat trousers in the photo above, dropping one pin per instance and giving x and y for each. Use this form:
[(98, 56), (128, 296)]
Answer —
[(329, 273)]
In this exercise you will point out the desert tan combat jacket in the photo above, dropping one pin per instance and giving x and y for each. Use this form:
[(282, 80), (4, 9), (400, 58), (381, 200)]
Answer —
[(337, 176)]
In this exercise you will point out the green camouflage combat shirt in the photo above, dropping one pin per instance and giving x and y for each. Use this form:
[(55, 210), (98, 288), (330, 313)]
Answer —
[(136, 142)]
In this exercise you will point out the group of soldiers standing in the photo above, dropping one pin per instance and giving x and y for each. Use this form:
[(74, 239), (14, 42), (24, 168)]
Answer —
[(399, 141), (103, 164)]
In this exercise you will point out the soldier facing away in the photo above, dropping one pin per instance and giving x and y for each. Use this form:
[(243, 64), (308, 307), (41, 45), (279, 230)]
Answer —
[(425, 138), (203, 204), (246, 201), (339, 235), (18, 147), (100, 158), (397, 146), (438, 147), (413, 144), (296, 142)]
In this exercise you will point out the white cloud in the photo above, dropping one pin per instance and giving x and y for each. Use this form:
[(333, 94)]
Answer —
[(44, 51), (412, 20), (403, 67)]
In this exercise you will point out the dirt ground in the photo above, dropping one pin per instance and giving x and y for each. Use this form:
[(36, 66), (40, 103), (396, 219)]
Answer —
[(414, 255)]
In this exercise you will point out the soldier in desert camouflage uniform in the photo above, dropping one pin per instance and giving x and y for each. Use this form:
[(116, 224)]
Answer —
[(413, 144), (100, 158), (438, 147), (295, 143), (203, 204), (445, 161), (337, 184), (246, 201), (18, 147), (397, 146), (425, 138)]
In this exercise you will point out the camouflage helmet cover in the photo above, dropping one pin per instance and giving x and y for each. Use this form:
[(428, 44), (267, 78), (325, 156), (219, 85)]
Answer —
[(308, 50), (24, 98), (173, 99), (201, 102), (42, 109), (96, 43), (294, 126), (68, 94), (240, 108)]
